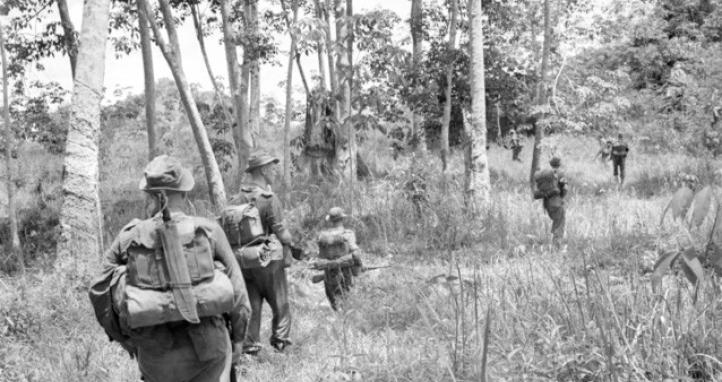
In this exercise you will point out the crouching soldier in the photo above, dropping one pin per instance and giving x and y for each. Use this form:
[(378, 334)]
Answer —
[(551, 187), (338, 257), (171, 288), (263, 246)]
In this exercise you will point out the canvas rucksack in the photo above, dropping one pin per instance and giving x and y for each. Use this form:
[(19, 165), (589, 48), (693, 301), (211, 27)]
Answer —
[(242, 224), (547, 184), (620, 150), (147, 294), (332, 245)]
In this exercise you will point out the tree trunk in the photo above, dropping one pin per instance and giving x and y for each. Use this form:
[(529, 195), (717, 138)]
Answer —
[(147, 52), (171, 53), (289, 99), (332, 76), (240, 130), (446, 120), (352, 147), (341, 59), (245, 74), (416, 24), (320, 50), (71, 40), (80, 216), (9, 147), (477, 166), (541, 96), (255, 73)]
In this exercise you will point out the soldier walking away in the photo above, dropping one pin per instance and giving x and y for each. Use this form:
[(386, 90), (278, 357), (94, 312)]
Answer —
[(339, 257), (264, 252), (551, 187), (171, 289), (619, 158), (516, 145)]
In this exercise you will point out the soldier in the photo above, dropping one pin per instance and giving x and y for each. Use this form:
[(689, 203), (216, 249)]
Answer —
[(605, 151), (551, 186), (619, 157), (516, 145), (174, 278), (339, 257), (268, 281)]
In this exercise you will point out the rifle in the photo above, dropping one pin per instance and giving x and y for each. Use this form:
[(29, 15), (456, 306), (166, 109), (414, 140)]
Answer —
[(315, 279)]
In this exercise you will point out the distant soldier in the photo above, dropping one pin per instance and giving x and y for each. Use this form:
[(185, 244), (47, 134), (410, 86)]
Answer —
[(516, 145), (551, 187), (338, 257), (167, 284), (619, 157), (263, 246), (605, 152)]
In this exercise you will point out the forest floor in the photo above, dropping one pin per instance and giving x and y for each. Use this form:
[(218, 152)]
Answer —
[(586, 312)]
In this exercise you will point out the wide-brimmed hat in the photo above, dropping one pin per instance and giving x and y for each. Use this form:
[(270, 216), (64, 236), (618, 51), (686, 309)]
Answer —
[(335, 214), (165, 173), (259, 159), (555, 162)]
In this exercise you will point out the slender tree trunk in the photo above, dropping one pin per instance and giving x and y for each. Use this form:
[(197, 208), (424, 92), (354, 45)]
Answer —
[(289, 98), (477, 167), (333, 79), (416, 23), (171, 53), (69, 35), (246, 73), (255, 73), (9, 146), (320, 50), (341, 58), (80, 216), (541, 96), (446, 120), (240, 130), (147, 52)]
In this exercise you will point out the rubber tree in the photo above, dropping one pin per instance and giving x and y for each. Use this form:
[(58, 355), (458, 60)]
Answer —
[(9, 146), (149, 83), (541, 96), (416, 23), (254, 107), (288, 114), (80, 215), (171, 53), (446, 119), (69, 34), (477, 165)]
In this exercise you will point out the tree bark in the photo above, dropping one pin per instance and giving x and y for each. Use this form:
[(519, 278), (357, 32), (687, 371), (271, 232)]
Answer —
[(446, 120), (255, 73), (9, 146), (80, 216), (416, 24), (171, 53), (477, 166), (341, 59), (147, 52), (289, 98), (246, 74), (541, 96), (240, 131), (332, 76), (69, 35), (320, 50)]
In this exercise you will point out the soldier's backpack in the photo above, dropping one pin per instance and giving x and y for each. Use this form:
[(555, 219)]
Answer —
[(332, 245), (620, 150), (547, 184), (150, 292), (242, 224)]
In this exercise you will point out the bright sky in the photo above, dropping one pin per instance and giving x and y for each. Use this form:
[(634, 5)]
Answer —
[(125, 73)]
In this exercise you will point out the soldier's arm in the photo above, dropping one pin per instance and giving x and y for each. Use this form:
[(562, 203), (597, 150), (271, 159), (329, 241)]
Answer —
[(562, 186), (351, 240), (113, 256), (274, 218), (241, 306)]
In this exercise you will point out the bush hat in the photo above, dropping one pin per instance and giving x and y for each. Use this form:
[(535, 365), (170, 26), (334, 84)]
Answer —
[(259, 159), (555, 162), (165, 173), (335, 214)]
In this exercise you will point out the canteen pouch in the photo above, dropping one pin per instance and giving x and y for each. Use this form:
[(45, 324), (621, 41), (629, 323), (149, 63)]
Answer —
[(332, 245), (147, 307), (242, 224)]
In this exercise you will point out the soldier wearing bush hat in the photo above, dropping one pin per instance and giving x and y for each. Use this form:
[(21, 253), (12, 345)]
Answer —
[(554, 205), (268, 282), (186, 340)]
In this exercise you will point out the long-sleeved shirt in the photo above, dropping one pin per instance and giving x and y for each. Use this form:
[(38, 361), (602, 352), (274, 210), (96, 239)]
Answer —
[(143, 233)]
